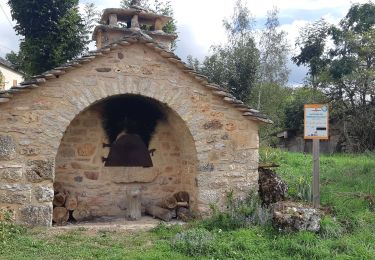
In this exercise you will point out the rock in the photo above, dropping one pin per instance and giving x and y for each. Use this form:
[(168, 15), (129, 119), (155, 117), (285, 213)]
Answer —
[(213, 124), (86, 149), (44, 194), (7, 147), (15, 193), (271, 188), (36, 215), (10, 173), (39, 170), (206, 167), (294, 216), (103, 69), (92, 175)]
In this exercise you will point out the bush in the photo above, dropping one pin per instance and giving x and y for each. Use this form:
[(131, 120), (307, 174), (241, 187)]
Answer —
[(194, 242), (239, 213)]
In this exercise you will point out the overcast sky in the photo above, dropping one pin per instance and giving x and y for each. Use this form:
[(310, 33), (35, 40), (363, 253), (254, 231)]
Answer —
[(199, 22)]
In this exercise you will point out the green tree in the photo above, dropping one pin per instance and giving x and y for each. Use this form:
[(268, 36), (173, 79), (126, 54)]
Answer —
[(345, 70), (90, 17), (274, 52), (294, 112), (53, 32), (312, 45), (270, 94), (234, 65)]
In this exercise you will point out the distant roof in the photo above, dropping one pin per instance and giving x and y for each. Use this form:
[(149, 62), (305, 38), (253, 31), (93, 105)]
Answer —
[(9, 65)]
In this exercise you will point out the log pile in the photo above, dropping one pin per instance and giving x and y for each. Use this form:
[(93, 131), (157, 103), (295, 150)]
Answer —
[(66, 206), (175, 206)]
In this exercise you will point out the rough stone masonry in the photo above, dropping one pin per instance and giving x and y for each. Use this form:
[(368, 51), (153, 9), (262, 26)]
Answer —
[(51, 131)]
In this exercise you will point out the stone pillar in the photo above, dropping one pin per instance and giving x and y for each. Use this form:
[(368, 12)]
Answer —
[(158, 25), (99, 39), (135, 22), (112, 19)]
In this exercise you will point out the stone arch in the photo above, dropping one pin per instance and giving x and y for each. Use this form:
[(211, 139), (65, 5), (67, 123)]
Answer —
[(80, 171), (80, 99)]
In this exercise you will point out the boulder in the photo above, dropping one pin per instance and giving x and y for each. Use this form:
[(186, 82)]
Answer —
[(271, 188), (295, 216)]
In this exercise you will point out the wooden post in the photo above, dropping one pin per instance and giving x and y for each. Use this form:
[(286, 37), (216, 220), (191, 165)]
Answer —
[(315, 184)]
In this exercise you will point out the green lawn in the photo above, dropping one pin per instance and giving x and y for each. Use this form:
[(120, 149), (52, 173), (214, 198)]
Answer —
[(347, 189)]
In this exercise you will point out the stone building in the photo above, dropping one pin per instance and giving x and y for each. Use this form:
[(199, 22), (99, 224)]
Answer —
[(61, 126)]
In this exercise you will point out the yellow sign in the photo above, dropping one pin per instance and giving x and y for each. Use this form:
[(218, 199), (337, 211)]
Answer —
[(316, 121)]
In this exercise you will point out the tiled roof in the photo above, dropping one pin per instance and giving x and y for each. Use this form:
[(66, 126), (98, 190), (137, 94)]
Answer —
[(136, 37)]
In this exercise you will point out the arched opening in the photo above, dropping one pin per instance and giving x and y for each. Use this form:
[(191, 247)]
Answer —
[(104, 190)]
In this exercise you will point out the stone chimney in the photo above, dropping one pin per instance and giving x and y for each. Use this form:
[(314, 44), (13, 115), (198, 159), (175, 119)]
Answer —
[(117, 23)]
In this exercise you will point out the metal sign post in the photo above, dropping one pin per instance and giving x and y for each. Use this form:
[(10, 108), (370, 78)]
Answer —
[(316, 128)]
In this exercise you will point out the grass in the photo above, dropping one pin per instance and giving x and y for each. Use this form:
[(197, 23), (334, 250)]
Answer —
[(348, 231)]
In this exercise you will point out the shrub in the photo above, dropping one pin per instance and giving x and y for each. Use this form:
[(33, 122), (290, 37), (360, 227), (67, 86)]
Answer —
[(194, 242), (239, 213)]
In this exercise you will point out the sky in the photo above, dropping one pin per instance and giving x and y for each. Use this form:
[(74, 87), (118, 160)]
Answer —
[(199, 22)]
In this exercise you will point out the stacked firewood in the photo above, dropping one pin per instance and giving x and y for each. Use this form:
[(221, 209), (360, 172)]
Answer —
[(66, 207), (175, 206)]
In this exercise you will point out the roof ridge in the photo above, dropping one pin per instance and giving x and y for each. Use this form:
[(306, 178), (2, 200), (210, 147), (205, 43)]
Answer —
[(135, 37)]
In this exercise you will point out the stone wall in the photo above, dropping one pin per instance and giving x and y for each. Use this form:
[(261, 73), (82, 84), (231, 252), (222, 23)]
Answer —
[(33, 123)]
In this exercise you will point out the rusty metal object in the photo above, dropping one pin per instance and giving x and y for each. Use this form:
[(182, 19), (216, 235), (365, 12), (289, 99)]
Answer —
[(128, 151)]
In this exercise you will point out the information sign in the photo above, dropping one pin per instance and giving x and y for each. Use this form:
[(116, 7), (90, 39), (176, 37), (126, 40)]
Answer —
[(316, 121)]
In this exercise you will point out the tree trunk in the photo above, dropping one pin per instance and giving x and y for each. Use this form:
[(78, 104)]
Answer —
[(184, 214), (59, 199), (133, 198), (158, 212), (71, 202), (182, 196), (58, 188), (60, 215), (169, 202), (82, 212)]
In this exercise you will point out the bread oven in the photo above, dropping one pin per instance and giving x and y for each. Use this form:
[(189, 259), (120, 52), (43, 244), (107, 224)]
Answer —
[(121, 157)]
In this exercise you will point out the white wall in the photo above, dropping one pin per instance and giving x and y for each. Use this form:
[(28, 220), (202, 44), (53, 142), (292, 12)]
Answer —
[(9, 76)]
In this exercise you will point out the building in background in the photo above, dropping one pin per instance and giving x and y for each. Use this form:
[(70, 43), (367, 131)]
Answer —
[(9, 76)]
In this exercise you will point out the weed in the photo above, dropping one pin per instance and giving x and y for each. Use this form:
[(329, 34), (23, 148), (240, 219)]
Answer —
[(194, 242), (8, 230), (330, 228), (304, 188)]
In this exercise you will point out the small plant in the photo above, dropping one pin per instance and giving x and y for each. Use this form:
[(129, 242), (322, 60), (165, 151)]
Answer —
[(194, 242), (304, 188), (269, 155), (330, 228), (8, 229)]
